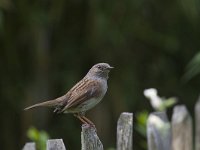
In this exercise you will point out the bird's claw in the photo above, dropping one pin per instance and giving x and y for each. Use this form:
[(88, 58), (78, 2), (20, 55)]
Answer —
[(92, 126)]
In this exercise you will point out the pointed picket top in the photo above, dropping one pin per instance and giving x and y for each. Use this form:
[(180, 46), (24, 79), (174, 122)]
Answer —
[(29, 146), (125, 131), (89, 138), (55, 144)]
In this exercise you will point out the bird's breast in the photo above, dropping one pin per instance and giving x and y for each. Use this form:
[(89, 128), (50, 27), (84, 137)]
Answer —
[(95, 94), (90, 104)]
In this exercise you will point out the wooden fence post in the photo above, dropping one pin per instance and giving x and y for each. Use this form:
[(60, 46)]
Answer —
[(158, 132), (55, 144), (181, 129), (125, 131), (29, 146), (89, 139), (197, 125)]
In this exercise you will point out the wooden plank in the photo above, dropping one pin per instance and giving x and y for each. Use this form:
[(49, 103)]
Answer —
[(29, 146), (181, 129), (55, 144), (158, 132), (125, 131), (89, 139), (197, 125)]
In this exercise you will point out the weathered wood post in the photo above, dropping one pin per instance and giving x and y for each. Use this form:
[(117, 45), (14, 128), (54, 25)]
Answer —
[(89, 139), (197, 125), (158, 131), (55, 144), (181, 129), (29, 146), (125, 131)]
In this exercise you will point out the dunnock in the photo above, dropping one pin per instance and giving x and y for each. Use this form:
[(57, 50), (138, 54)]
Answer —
[(84, 95)]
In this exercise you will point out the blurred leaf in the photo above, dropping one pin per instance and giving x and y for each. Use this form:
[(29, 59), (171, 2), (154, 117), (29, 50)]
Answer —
[(33, 134), (193, 68), (141, 119), (39, 137), (169, 102)]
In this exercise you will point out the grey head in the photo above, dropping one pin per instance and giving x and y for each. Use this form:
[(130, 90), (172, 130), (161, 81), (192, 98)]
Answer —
[(100, 70)]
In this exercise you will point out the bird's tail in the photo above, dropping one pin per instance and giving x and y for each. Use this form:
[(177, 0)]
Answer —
[(50, 103)]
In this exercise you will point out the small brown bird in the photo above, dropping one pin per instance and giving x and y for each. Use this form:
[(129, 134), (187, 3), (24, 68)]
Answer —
[(84, 95)]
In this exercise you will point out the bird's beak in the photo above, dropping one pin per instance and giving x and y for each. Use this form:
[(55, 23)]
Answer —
[(110, 67)]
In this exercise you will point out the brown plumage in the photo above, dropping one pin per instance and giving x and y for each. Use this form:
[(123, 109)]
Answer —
[(84, 95)]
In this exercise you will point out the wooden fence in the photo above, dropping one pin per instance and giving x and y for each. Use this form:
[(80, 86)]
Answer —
[(161, 134)]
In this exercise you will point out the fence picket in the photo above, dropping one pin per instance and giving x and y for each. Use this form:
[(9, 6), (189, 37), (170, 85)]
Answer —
[(158, 132), (55, 144), (181, 129), (89, 139), (124, 131), (29, 146)]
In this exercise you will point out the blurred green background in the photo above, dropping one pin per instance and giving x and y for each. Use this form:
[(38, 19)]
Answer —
[(46, 46)]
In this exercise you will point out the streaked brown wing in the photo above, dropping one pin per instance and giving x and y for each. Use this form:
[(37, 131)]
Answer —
[(82, 92)]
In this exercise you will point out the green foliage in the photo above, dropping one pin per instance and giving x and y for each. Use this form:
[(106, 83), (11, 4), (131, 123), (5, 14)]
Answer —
[(193, 67), (39, 137), (167, 103), (141, 121)]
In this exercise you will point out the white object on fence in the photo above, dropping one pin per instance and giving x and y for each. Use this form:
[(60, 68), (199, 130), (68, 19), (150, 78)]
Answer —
[(181, 129), (125, 131), (29, 146), (158, 132), (89, 138), (55, 144), (197, 121)]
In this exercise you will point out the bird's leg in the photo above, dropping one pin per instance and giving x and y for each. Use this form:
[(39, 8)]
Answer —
[(88, 121), (85, 120), (80, 118)]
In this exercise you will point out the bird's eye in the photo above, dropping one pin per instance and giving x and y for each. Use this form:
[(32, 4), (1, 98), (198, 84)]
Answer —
[(99, 67)]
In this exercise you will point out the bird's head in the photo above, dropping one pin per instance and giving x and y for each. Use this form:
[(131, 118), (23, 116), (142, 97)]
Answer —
[(100, 70)]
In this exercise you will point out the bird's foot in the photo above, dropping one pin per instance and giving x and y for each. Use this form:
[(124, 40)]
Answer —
[(85, 121), (87, 125)]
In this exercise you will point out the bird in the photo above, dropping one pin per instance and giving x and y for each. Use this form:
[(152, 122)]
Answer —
[(83, 96)]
